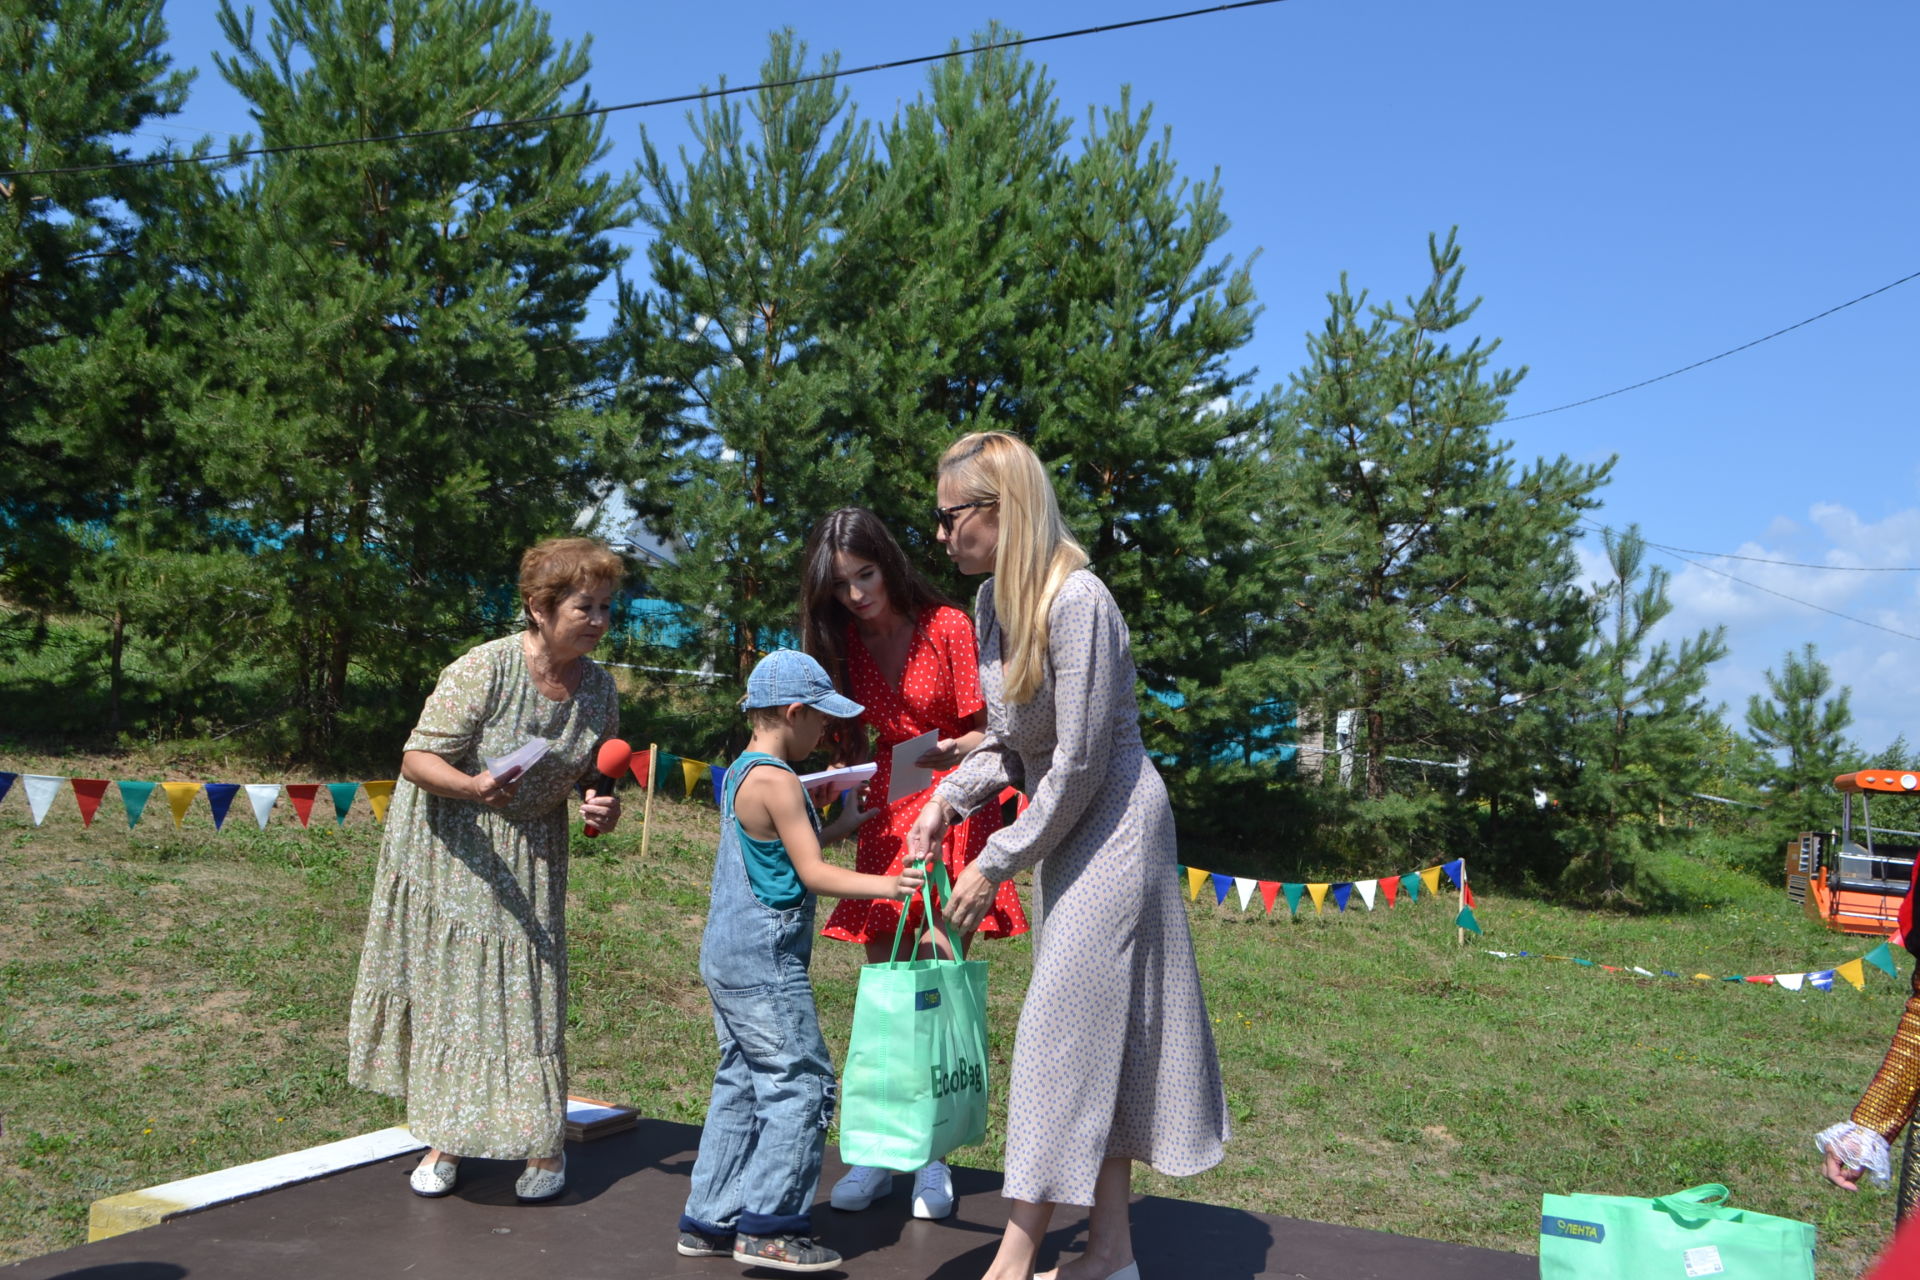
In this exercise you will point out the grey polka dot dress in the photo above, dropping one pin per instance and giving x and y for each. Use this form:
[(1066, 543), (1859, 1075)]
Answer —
[(1114, 1055)]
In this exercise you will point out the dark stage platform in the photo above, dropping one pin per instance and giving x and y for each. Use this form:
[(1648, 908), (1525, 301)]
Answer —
[(617, 1220)]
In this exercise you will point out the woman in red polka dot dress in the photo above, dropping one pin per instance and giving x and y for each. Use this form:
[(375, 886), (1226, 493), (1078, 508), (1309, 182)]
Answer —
[(900, 649)]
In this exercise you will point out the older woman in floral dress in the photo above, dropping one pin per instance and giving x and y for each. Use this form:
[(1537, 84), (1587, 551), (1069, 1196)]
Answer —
[(461, 1002)]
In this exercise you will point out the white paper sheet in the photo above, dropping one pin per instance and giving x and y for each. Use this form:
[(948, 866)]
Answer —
[(851, 775), (516, 762), (908, 777)]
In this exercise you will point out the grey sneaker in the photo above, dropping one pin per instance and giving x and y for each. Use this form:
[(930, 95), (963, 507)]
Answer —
[(784, 1253), (861, 1187), (702, 1244), (933, 1191)]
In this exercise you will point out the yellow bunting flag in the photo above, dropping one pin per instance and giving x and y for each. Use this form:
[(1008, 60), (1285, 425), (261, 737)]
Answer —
[(1431, 878), (179, 796), (1853, 973), (1195, 878), (378, 793), (1703, 977), (1319, 892), (691, 771)]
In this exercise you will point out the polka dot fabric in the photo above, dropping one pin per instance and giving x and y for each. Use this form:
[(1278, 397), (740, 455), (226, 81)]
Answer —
[(939, 689), (1114, 1055)]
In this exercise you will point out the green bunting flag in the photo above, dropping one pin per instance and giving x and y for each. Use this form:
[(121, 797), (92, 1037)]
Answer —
[(1882, 959), (343, 793), (1294, 893), (1410, 885), (1466, 921), (134, 795)]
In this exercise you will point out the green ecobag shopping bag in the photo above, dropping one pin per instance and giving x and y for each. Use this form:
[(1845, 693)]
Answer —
[(1687, 1234), (915, 1083)]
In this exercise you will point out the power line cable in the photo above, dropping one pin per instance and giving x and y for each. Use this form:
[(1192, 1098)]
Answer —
[(1605, 395), (1784, 564), (1845, 617), (703, 95)]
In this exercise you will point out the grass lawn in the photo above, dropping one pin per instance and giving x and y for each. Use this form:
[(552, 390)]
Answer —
[(175, 1002)]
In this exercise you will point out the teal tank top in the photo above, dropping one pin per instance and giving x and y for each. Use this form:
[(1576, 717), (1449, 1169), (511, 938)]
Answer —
[(769, 868)]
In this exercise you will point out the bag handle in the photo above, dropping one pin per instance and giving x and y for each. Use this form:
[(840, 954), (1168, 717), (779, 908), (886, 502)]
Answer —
[(1708, 1200), (936, 874)]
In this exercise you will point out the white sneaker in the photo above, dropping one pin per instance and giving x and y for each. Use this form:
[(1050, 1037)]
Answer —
[(860, 1188), (933, 1191)]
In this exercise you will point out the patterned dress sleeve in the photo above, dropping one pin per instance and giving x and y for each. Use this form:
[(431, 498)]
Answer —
[(991, 767), (457, 709), (961, 654), (1092, 684)]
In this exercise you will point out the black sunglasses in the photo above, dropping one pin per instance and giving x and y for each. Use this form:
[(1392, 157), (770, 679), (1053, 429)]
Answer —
[(945, 515)]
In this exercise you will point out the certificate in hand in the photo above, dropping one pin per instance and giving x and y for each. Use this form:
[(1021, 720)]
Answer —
[(908, 777), (516, 762), (846, 776)]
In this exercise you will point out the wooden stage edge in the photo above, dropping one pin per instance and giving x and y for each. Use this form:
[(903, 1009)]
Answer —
[(618, 1218)]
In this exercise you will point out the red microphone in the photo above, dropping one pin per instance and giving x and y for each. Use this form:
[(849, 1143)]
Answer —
[(612, 761)]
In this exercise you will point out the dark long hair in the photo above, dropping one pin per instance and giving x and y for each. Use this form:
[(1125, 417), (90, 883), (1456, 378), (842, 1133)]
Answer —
[(823, 619)]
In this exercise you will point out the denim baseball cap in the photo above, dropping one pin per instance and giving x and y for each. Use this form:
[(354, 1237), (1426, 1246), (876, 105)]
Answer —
[(787, 676)]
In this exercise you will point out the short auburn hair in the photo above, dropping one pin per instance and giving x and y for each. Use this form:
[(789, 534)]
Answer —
[(551, 571)]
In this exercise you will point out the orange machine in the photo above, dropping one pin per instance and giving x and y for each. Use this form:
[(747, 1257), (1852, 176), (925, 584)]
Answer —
[(1855, 886)]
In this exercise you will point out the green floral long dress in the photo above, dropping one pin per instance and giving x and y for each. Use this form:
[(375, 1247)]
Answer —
[(461, 1002)]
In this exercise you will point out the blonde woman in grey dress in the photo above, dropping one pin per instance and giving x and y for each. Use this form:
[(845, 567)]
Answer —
[(461, 1002), (1114, 1059)]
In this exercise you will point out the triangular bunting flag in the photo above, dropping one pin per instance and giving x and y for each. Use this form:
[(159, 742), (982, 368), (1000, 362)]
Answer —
[(1466, 921), (1221, 885), (1269, 890), (639, 765), (1411, 883), (1367, 889), (1897, 939), (1880, 957), (1431, 879), (1764, 978), (690, 771), (1467, 895), (301, 794), (6, 783), (1853, 972), (1610, 968), (261, 796), (1821, 981), (1645, 973), (1456, 872), (87, 793), (669, 768), (134, 796), (41, 789), (1293, 892), (378, 793), (179, 797), (1703, 977), (1244, 887), (1575, 959), (343, 793), (719, 772), (1341, 892), (1791, 981), (220, 798), (1319, 894), (1390, 885), (1195, 878), (1735, 977)]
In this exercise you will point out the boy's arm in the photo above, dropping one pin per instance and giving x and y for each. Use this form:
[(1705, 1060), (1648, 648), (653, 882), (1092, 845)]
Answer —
[(779, 797)]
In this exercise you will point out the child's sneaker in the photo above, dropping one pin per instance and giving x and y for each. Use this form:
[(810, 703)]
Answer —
[(784, 1253), (703, 1244)]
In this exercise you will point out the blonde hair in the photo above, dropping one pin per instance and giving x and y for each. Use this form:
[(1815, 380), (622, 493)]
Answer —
[(1035, 553)]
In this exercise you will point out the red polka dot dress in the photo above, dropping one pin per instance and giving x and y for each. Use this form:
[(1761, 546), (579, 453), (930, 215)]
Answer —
[(939, 689)]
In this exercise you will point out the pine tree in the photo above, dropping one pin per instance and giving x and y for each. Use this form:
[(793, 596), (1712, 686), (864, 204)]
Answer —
[(1441, 601), (400, 402), (1640, 747), (1800, 730), (737, 390)]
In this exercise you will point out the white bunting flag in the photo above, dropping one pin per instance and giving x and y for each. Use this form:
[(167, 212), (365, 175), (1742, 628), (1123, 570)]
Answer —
[(1245, 887), (1791, 981), (1367, 889), (1645, 973), (41, 789), (263, 794)]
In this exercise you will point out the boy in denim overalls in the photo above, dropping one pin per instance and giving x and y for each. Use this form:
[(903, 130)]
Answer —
[(759, 1163)]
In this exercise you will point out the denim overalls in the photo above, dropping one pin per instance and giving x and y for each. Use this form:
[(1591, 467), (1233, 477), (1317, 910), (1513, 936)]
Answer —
[(773, 1094)]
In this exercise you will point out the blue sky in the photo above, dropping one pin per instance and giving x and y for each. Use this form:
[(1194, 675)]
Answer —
[(1637, 186)]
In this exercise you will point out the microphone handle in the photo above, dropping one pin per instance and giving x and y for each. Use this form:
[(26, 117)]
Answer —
[(596, 781)]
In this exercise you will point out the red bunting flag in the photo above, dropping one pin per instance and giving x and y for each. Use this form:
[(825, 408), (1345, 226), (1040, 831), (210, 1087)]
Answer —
[(1269, 890), (87, 793), (302, 794), (1468, 890), (1390, 885), (641, 762)]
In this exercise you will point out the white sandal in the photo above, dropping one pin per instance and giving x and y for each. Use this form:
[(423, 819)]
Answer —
[(537, 1184), (435, 1180)]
